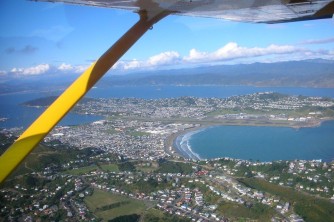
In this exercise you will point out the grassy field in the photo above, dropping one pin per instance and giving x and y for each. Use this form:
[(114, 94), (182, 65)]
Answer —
[(154, 215), (110, 167), (146, 169), (309, 207), (82, 170), (101, 199), (239, 212)]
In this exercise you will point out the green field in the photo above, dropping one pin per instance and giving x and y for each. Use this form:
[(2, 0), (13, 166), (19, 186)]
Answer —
[(258, 212), (309, 207), (154, 215), (146, 169), (120, 205), (110, 167), (82, 170)]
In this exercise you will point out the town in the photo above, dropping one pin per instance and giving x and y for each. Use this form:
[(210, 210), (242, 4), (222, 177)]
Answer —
[(125, 166)]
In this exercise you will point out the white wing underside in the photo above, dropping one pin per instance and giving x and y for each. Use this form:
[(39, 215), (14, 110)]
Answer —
[(265, 11)]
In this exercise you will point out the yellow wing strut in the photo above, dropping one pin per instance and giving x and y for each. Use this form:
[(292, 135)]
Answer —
[(16, 153)]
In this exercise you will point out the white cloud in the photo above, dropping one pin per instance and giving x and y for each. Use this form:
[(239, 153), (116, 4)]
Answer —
[(70, 68), (46, 69), (35, 70), (195, 55), (164, 58), (80, 69), (125, 65), (132, 64), (65, 67), (233, 51)]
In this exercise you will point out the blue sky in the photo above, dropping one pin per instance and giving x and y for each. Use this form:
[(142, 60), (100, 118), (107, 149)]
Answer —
[(45, 38)]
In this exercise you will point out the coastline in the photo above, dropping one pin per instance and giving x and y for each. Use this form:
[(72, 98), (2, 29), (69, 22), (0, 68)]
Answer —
[(171, 143), (172, 146)]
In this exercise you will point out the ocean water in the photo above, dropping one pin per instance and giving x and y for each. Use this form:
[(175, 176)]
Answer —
[(260, 143), (18, 115)]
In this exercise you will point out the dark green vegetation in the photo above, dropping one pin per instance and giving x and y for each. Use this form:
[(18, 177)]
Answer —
[(45, 156), (276, 168), (112, 206), (258, 211), (309, 207), (6, 139), (109, 206), (147, 186), (126, 218), (154, 215), (126, 166), (110, 167), (174, 167)]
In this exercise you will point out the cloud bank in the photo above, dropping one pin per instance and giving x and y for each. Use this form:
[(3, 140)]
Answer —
[(44, 69), (229, 52), (35, 70)]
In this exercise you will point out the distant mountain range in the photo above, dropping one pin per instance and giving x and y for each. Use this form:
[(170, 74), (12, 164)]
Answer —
[(307, 73)]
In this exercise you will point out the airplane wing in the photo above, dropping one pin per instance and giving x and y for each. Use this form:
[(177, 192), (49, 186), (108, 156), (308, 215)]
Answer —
[(258, 11)]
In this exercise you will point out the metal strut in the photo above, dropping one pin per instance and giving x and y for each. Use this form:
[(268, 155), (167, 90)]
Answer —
[(35, 133)]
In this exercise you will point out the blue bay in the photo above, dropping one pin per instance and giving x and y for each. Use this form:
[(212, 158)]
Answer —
[(18, 115), (264, 143)]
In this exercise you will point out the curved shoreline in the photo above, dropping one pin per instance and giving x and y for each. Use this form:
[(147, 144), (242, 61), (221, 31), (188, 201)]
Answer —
[(181, 144), (172, 143), (171, 146)]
